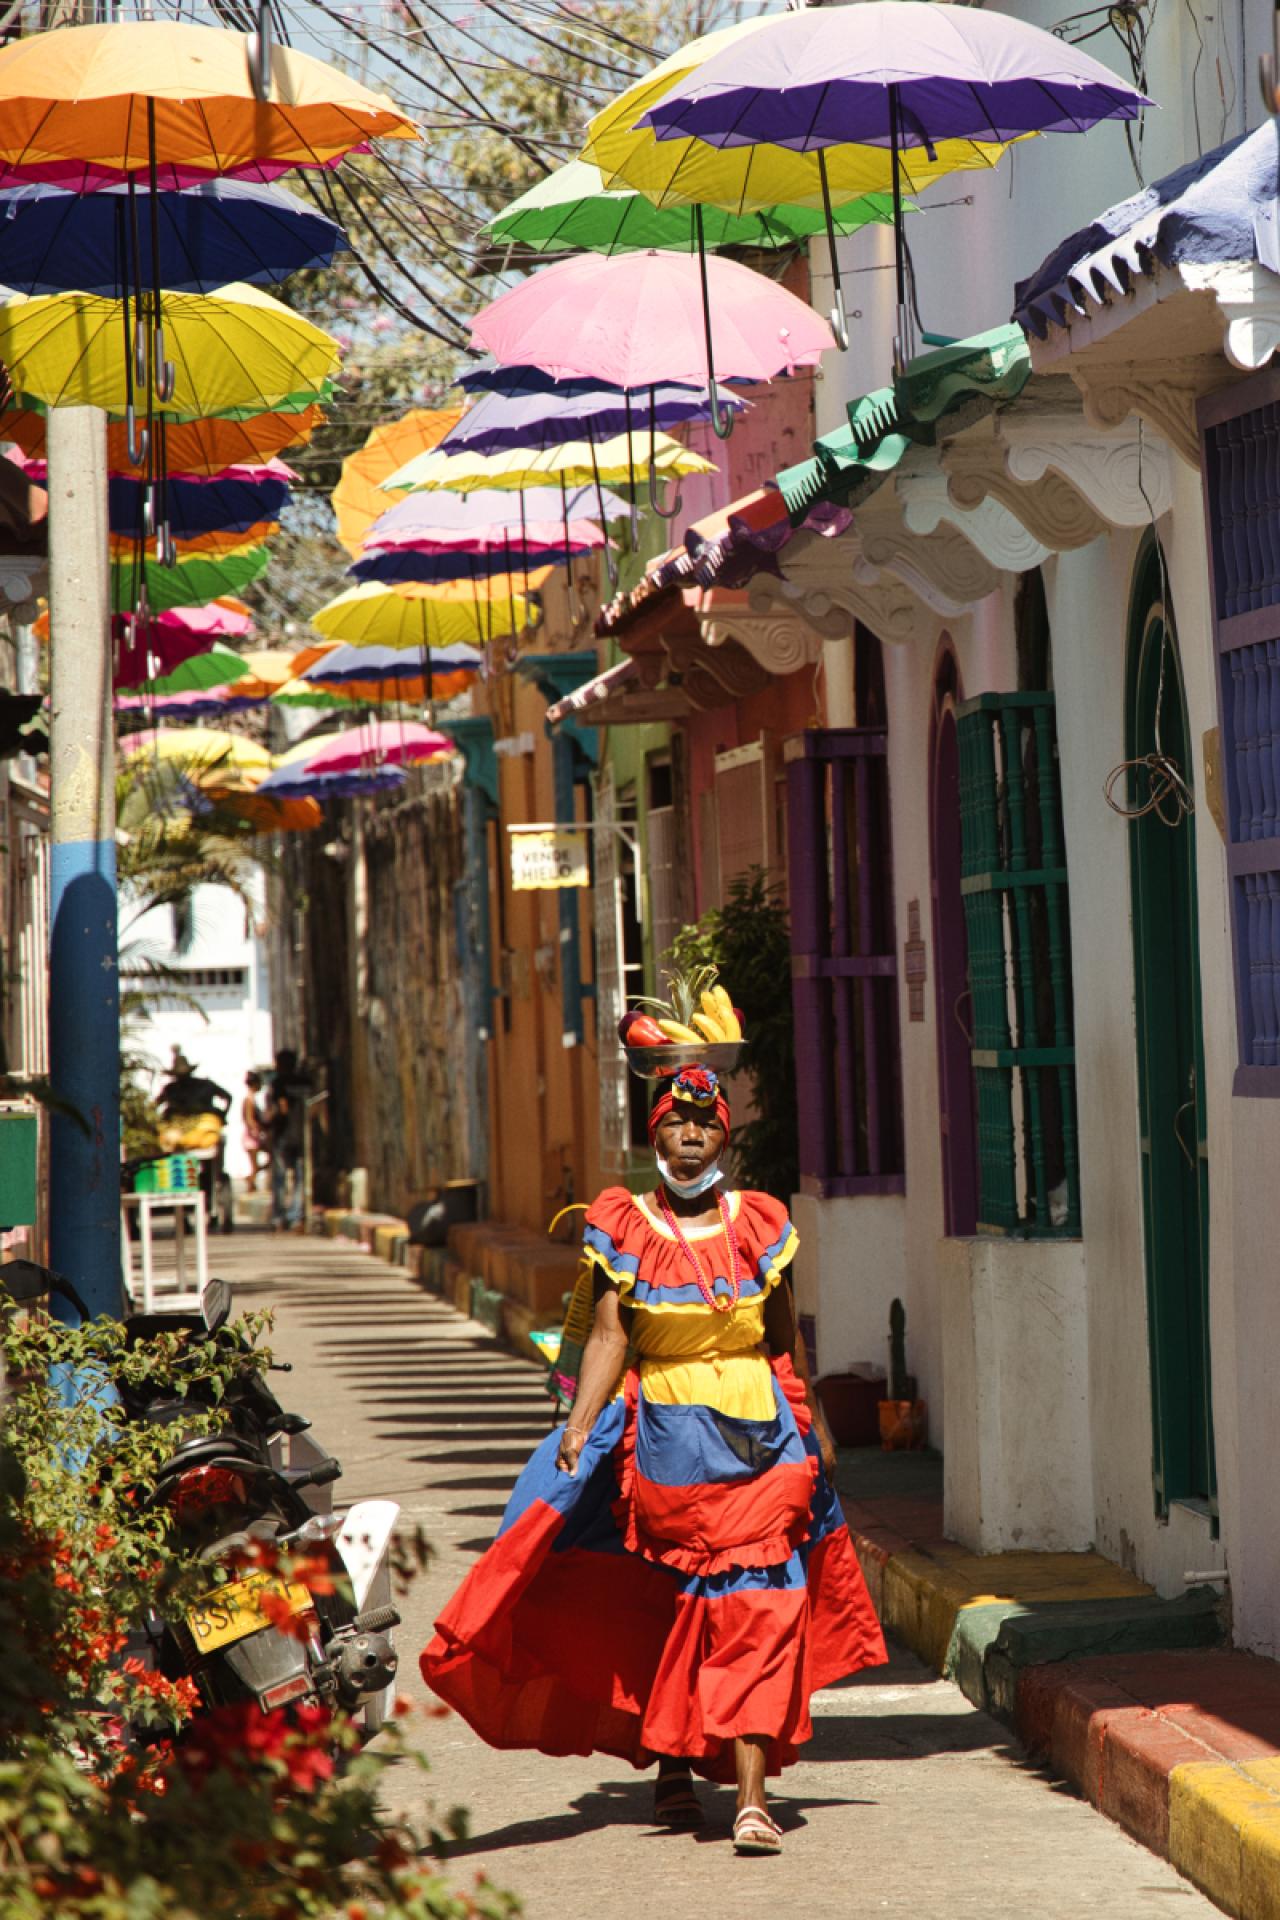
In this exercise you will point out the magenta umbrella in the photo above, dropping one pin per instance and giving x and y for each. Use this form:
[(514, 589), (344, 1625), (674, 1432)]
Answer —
[(386, 743), (643, 319), (148, 649)]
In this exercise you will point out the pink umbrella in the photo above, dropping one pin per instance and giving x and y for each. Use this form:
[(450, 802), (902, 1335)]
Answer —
[(394, 743), (148, 652), (637, 320), (535, 534)]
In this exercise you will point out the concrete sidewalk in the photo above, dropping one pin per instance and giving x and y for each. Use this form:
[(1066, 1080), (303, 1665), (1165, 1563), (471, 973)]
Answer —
[(909, 1800)]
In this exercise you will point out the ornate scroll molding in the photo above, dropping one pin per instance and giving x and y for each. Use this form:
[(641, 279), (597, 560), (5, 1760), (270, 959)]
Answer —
[(1050, 509), (1163, 393), (713, 676), (1248, 297), (947, 571), (890, 609), (999, 537), (779, 641), (1122, 479)]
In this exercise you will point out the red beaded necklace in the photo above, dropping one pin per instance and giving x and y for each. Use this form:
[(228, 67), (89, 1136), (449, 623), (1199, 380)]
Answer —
[(731, 1239)]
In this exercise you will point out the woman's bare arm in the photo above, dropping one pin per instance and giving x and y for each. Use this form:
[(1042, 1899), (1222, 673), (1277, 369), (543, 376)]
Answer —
[(782, 1332), (602, 1359)]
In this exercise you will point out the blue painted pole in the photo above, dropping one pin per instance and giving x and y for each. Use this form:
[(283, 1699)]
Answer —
[(84, 998)]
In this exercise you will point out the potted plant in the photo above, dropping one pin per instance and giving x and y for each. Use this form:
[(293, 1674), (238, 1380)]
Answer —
[(904, 1420)]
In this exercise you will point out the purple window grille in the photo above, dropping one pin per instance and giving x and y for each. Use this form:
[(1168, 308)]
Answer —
[(843, 962), (1240, 461)]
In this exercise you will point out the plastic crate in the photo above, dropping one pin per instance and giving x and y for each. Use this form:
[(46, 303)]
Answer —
[(175, 1173)]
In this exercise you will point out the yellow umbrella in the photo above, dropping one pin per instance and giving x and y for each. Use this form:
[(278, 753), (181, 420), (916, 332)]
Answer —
[(377, 615), (580, 463), (211, 756), (358, 498), (236, 347), (675, 173), (102, 94)]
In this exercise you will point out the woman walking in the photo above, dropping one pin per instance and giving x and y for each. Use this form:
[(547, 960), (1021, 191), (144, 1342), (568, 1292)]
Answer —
[(673, 1577)]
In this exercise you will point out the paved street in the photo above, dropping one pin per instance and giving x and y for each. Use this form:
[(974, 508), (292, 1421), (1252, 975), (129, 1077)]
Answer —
[(908, 1800)]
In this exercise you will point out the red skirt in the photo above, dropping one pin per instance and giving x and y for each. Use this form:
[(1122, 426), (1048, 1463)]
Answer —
[(694, 1581)]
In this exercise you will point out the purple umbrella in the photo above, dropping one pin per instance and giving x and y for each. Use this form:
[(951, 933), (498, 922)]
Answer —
[(890, 73), (591, 411)]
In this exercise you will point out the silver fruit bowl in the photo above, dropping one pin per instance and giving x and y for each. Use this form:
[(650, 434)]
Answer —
[(659, 1063)]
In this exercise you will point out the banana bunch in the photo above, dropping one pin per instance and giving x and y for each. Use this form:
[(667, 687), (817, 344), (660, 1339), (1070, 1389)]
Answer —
[(699, 1011)]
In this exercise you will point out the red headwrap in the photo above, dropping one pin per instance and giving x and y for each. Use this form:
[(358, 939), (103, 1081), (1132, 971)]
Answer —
[(699, 1087)]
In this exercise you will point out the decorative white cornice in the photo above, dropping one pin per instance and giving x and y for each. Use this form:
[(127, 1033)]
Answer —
[(781, 642), (1162, 393), (946, 570), (831, 604), (1248, 297), (1124, 477), (1050, 508), (999, 537)]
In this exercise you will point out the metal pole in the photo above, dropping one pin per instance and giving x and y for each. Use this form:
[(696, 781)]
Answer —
[(84, 1000)]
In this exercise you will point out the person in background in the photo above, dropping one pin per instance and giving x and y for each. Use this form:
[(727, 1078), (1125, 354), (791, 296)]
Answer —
[(286, 1129), (194, 1111), (256, 1141)]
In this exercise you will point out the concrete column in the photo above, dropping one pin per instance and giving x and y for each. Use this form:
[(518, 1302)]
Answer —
[(837, 675), (84, 999)]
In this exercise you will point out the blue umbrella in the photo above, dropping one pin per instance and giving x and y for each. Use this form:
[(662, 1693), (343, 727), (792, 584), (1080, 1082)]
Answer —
[(576, 410), (410, 563), (195, 507), (52, 241), (300, 782), (389, 663)]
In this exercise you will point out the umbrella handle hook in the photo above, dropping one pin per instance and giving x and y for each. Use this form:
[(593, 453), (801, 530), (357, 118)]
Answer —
[(663, 513), (166, 372), (839, 318), (259, 49), (721, 423), (136, 443)]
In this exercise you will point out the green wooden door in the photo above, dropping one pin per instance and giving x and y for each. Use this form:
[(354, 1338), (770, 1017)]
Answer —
[(1175, 1163)]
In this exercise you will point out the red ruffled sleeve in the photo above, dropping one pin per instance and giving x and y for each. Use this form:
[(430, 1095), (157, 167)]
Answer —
[(649, 1268)]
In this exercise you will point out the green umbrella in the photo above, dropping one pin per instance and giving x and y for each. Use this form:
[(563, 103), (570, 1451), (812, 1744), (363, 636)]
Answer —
[(571, 210), (302, 693), (219, 667), (192, 583)]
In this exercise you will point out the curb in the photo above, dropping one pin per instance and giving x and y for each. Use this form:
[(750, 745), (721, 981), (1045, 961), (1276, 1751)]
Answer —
[(1132, 1699)]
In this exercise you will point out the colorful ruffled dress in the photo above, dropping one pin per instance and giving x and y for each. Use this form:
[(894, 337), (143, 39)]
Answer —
[(695, 1579)]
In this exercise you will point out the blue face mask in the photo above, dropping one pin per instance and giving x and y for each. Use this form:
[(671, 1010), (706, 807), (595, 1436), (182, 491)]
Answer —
[(690, 1189)]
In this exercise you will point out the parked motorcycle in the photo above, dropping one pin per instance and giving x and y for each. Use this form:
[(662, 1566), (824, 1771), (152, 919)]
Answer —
[(250, 1502)]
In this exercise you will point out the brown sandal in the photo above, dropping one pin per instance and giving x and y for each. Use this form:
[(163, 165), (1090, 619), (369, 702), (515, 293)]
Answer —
[(675, 1804)]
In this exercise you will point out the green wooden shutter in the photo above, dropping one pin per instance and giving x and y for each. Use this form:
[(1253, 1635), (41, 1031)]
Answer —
[(1014, 886)]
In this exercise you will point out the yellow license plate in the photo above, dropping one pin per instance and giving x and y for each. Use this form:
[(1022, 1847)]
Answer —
[(231, 1612)]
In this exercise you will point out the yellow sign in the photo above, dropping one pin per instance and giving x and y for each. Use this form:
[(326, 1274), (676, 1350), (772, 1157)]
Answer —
[(549, 857), (231, 1612)]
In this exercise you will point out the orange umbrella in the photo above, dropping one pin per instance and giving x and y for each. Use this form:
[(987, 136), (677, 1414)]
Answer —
[(219, 540), (358, 499), (282, 815), (192, 446), (100, 94)]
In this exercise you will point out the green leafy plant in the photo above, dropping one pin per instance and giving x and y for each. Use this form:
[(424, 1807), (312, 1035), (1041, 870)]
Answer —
[(749, 940), (224, 1815)]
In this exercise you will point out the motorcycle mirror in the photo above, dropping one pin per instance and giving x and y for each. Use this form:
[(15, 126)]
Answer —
[(24, 1281), (215, 1305)]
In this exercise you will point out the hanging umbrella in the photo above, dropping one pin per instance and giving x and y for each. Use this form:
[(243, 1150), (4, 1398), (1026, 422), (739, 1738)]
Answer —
[(639, 319), (194, 446), (207, 752), (686, 172), (293, 776), (190, 583), (357, 498), (217, 666), (132, 93), (499, 422), (54, 241), (197, 703), (502, 536), (384, 664), (217, 545), (412, 564), (922, 87), (270, 813), (374, 614), (301, 693), (193, 507), (238, 347), (578, 464), (440, 517), (394, 743), (572, 211)]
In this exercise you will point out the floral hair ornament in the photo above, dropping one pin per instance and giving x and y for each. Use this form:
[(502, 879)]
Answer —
[(700, 1087)]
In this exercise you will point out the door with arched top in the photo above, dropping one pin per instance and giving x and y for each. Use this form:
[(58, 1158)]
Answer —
[(1174, 1149)]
